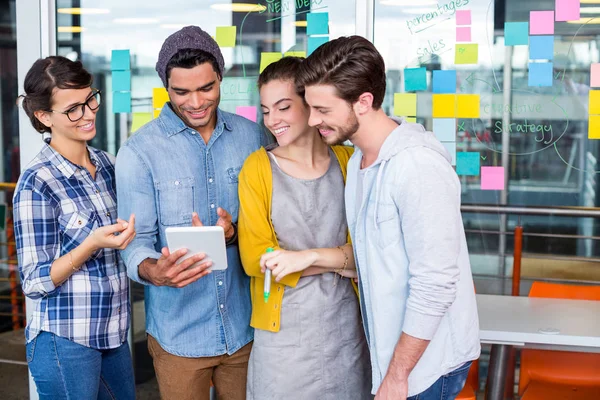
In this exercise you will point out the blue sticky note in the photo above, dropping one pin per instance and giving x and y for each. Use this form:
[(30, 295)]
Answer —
[(121, 81), (451, 149), (119, 60), (415, 79), (468, 163), (540, 74), (317, 24), (541, 47), (316, 41), (121, 102), (444, 81), (516, 33), (444, 129)]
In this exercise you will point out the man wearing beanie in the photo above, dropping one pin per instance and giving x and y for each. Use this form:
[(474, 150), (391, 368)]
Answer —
[(182, 169)]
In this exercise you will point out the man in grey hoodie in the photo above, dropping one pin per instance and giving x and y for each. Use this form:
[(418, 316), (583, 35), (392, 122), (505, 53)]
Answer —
[(403, 211)]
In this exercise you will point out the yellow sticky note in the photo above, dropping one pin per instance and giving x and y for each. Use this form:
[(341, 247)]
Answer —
[(140, 119), (594, 127), (594, 105), (466, 53), (159, 97), (156, 113), (467, 106), (295, 54), (444, 105), (405, 104), (268, 58), (411, 119), (226, 36)]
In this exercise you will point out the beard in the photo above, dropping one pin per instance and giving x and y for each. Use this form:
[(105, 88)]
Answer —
[(342, 133)]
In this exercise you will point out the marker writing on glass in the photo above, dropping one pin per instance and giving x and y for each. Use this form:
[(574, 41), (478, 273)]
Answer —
[(267, 286)]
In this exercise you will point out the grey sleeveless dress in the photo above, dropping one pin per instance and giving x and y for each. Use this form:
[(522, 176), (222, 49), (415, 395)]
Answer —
[(320, 351)]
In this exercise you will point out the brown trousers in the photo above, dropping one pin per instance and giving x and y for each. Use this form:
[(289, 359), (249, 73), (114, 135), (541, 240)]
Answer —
[(183, 378)]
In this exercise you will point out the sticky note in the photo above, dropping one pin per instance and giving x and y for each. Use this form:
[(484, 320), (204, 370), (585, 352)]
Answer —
[(466, 53), (463, 17), (568, 10), (540, 74), (159, 97), (121, 102), (315, 41), (492, 178), (139, 119), (405, 104), (119, 60), (301, 54), (412, 120), (415, 79), (156, 113), (468, 163), (516, 33), (467, 106), (443, 105), (541, 47), (463, 34), (268, 58), (451, 149), (317, 23), (226, 36), (444, 129), (594, 127), (541, 22), (595, 75), (121, 81), (594, 102), (248, 112), (444, 81)]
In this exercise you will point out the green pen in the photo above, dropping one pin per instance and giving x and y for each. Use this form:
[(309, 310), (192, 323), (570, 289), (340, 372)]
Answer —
[(267, 286)]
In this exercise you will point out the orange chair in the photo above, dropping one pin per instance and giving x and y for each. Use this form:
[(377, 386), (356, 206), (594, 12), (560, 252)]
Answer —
[(469, 392), (550, 375)]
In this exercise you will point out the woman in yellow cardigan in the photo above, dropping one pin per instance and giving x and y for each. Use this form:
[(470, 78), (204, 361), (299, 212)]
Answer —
[(309, 342)]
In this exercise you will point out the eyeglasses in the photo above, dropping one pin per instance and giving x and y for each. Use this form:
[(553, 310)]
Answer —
[(76, 112)]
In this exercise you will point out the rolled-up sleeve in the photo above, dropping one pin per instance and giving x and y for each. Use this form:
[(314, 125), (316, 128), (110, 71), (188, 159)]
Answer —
[(38, 241), (135, 195)]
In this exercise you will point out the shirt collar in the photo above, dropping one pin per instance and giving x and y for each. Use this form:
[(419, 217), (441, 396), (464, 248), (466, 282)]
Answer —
[(66, 167), (173, 124)]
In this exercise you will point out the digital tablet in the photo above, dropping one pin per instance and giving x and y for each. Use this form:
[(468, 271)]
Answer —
[(199, 239)]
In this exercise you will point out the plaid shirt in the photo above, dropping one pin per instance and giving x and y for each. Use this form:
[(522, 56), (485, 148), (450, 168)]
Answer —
[(56, 205)]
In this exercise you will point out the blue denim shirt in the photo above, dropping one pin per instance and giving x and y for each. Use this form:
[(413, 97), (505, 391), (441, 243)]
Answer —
[(164, 173)]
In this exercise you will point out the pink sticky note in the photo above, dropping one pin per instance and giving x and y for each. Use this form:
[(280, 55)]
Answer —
[(568, 10), (463, 34), (463, 17), (246, 112), (595, 75), (492, 178), (541, 23)]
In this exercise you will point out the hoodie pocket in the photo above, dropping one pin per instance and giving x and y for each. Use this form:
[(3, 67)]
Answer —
[(387, 222)]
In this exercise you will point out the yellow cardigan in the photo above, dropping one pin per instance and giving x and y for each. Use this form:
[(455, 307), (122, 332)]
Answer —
[(256, 234)]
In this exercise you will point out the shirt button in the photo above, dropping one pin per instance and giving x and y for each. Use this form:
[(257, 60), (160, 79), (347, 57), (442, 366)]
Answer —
[(97, 191), (119, 310), (210, 180), (108, 214), (222, 306), (176, 183), (220, 283), (212, 206)]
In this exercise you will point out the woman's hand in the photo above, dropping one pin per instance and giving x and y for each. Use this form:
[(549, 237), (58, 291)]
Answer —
[(285, 262), (105, 238)]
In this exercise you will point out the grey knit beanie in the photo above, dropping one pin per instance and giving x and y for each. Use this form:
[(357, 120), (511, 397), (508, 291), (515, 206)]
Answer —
[(190, 37)]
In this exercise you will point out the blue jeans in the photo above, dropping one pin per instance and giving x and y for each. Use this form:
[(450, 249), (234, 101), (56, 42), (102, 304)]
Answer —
[(447, 387), (65, 370)]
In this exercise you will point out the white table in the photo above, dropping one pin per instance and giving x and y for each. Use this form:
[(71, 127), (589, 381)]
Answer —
[(552, 324)]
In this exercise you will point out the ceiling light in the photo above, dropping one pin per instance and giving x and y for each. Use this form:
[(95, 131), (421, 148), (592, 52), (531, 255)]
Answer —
[(301, 24), (408, 3), (590, 1), (590, 10), (135, 21), (81, 11), (70, 29), (587, 21), (239, 7)]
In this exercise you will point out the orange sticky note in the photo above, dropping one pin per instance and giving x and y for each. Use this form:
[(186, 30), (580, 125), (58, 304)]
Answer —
[(467, 106), (159, 97), (444, 105), (594, 127)]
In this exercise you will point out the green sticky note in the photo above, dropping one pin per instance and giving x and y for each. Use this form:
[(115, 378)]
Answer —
[(121, 81), (317, 24), (301, 54), (119, 60), (268, 58), (466, 53), (121, 102), (140, 119), (405, 104), (226, 36), (315, 41)]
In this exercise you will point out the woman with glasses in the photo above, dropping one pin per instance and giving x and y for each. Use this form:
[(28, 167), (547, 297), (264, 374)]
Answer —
[(68, 239)]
